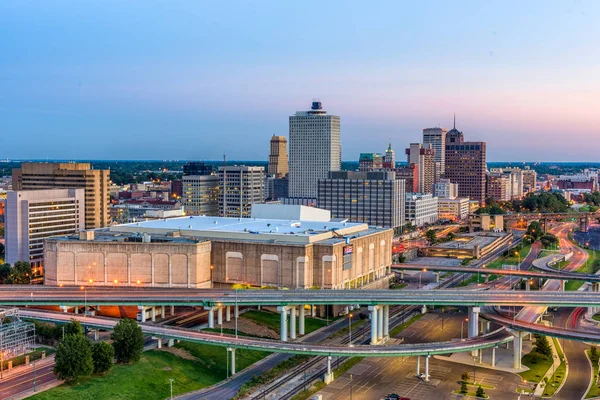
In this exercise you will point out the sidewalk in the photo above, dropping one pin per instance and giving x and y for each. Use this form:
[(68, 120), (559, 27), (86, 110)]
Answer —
[(24, 368)]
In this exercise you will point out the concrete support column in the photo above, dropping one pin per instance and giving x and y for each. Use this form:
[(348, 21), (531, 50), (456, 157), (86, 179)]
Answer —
[(153, 314), (236, 312), (486, 327), (517, 349), (293, 323), (301, 320), (77, 310), (386, 321), (211, 317), (228, 313), (494, 356), (219, 315), (159, 343), (380, 323), (374, 325), (64, 308), (143, 310), (313, 311), (172, 310), (562, 285), (96, 334), (418, 365), (474, 325), (426, 369), (424, 309), (162, 311), (232, 351), (527, 285), (283, 323), (328, 378), (171, 343), (437, 277)]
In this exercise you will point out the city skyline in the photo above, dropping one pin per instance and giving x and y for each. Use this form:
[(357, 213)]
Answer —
[(171, 81)]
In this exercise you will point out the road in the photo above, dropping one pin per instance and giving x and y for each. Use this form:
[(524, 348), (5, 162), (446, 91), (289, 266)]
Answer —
[(24, 381)]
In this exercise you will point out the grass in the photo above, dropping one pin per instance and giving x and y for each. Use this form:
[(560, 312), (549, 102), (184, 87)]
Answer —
[(596, 317), (213, 357), (538, 366), (559, 374), (227, 331), (594, 388), (345, 331), (511, 259), (272, 320), (146, 380), (479, 278), (469, 393), (398, 286)]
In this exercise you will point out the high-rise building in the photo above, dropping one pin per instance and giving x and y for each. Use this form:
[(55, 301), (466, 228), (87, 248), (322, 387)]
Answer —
[(200, 194), (466, 165), (34, 215), (370, 162), (34, 176), (498, 186), (389, 159), (421, 208), (376, 198), (315, 150), (423, 157), (197, 168), (241, 186), (515, 180), (446, 189), (410, 175), (529, 180), (278, 158), (436, 137)]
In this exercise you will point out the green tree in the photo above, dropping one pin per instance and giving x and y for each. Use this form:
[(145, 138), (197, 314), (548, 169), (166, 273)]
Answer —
[(103, 355), (128, 341), (465, 377), (450, 236), (1, 249), (463, 387), (73, 359), (73, 327), (430, 235), (549, 240), (20, 273), (535, 230), (594, 354), (480, 392), (4, 272), (542, 346)]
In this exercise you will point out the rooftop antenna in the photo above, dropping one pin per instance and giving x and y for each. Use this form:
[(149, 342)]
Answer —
[(454, 121), (224, 160)]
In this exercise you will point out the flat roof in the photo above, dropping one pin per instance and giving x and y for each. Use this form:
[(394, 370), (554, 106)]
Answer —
[(258, 229)]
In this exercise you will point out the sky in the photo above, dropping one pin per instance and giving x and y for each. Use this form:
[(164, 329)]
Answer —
[(199, 79)]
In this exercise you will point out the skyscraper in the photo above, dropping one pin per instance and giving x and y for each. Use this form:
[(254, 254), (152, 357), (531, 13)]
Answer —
[(278, 158), (314, 150), (200, 189), (423, 158), (241, 186), (436, 137), (389, 159), (466, 165), (32, 176)]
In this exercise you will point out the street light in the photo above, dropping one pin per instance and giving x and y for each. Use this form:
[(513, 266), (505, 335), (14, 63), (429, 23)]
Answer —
[(420, 275), (350, 329), (84, 298), (171, 383), (34, 375), (220, 311)]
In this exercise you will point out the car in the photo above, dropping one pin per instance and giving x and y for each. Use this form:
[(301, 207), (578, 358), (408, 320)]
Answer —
[(393, 396)]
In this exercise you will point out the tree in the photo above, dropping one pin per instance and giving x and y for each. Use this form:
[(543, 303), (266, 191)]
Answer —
[(430, 235), (128, 341), (450, 236), (594, 354), (535, 230), (1, 249), (73, 327), (73, 359), (463, 387), (542, 346), (20, 273), (480, 392), (549, 240), (465, 377), (4, 272), (103, 355)]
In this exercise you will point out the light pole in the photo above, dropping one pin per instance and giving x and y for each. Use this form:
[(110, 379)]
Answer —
[(84, 299), (171, 383), (350, 386), (34, 376), (220, 311), (350, 329), (236, 312), (462, 323), (420, 275)]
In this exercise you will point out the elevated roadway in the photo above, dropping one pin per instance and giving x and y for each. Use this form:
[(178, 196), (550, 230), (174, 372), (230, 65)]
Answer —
[(490, 340)]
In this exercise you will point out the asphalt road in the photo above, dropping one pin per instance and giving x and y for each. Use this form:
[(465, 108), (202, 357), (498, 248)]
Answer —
[(24, 381)]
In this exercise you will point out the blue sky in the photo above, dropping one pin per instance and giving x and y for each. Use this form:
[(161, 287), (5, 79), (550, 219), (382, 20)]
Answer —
[(196, 79)]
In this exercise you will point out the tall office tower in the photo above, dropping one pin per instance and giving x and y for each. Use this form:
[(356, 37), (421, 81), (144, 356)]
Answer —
[(376, 198), (241, 186), (466, 165), (200, 189), (410, 175), (370, 162), (33, 176), (197, 168), (314, 150), (389, 159), (34, 215), (278, 158), (436, 137), (423, 157), (445, 189), (529, 180)]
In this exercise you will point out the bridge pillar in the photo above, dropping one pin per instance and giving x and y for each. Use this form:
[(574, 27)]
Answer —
[(232, 351), (424, 309), (583, 224), (211, 317), (301, 319), (527, 285), (494, 356), (426, 379), (228, 313), (374, 325), (517, 349), (219, 315), (474, 325), (162, 311), (159, 343), (379, 323), (418, 366), (96, 335), (402, 274), (171, 343), (153, 313), (486, 327), (77, 310), (283, 323), (293, 323), (386, 321), (437, 277), (328, 378), (172, 310), (562, 285), (64, 308)]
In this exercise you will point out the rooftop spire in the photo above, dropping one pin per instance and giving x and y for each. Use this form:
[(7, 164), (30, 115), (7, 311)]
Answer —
[(454, 127)]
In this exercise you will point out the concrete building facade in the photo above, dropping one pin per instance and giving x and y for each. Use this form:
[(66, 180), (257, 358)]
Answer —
[(200, 194), (436, 137), (421, 208), (498, 186), (35, 176), (446, 189), (240, 187), (315, 150), (278, 158), (423, 158), (454, 209), (35, 215), (375, 198)]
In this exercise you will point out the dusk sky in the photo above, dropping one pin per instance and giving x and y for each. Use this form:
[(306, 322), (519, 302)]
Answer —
[(196, 79)]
